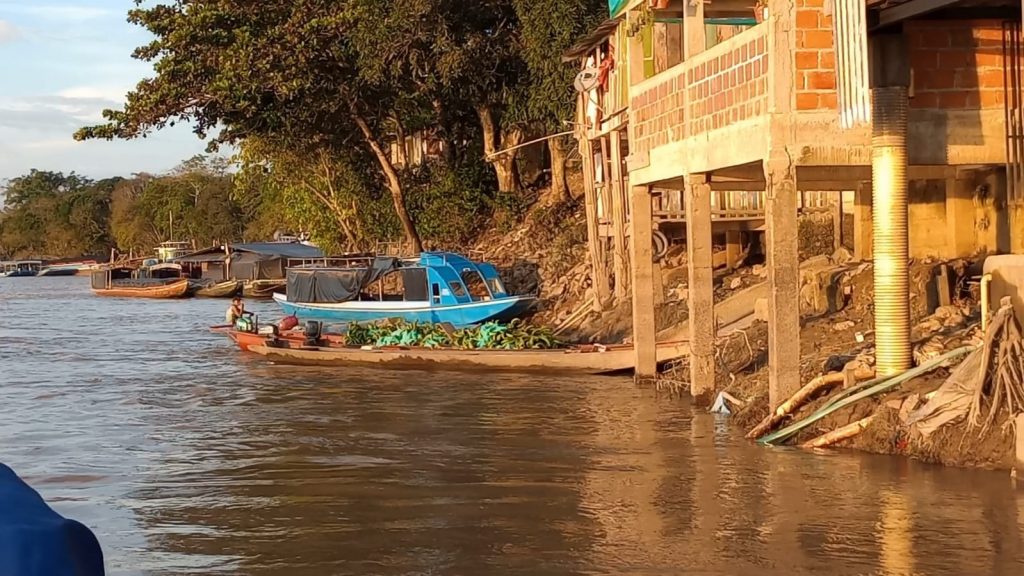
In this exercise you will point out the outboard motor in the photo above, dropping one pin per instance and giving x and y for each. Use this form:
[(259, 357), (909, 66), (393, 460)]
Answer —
[(313, 332)]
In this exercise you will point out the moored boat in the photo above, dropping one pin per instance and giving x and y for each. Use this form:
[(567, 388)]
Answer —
[(437, 287), (591, 359), (20, 268), (263, 288), (126, 283), (225, 289)]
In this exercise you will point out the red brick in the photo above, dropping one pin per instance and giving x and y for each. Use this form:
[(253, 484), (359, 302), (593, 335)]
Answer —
[(829, 100), (807, 19), (957, 99), (806, 59), (806, 101), (961, 37), (933, 39), (955, 59), (973, 100), (819, 39), (939, 80), (821, 80), (924, 59), (991, 98), (745, 52), (984, 58), (760, 45), (828, 60), (991, 78), (825, 21)]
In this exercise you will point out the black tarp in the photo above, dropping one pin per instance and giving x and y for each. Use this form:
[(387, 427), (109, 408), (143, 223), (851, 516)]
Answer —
[(332, 285)]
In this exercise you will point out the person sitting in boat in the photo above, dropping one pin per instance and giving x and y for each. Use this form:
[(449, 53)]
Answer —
[(236, 311)]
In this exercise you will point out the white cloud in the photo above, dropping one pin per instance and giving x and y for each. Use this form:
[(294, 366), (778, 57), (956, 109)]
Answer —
[(8, 32), (106, 93)]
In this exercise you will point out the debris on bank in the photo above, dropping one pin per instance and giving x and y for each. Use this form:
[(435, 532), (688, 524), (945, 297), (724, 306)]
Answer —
[(954, 407)]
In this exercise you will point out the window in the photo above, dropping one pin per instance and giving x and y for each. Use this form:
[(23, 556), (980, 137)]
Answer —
[(435, 293), (475, 284), (457, 289), (496, 286)]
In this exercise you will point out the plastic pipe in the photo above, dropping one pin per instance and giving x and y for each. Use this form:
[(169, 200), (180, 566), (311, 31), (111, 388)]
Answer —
[(985, 304)]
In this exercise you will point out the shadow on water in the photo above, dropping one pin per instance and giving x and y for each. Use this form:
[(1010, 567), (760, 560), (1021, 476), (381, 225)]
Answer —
[(187, 457)]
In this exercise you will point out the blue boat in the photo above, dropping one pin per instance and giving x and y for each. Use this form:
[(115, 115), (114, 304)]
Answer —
[(436, 287)]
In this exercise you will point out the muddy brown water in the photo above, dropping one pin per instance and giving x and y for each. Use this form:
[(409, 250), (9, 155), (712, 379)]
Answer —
[(187, 457)]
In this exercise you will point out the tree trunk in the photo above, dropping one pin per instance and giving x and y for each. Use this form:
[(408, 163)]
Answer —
[(412, 237), (496, 140), (401, 152), (559, 185)]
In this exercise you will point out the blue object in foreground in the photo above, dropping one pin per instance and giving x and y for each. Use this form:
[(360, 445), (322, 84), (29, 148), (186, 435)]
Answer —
[(36, 541)]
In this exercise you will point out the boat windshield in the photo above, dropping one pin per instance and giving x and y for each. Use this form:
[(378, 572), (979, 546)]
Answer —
[(475, 285)]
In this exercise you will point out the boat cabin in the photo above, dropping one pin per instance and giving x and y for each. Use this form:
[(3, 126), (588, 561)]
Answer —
[(252, 261), (21, 268), (438, 278)]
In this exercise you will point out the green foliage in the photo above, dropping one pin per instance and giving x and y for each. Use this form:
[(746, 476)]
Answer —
[(52, 214), (450, 202), (492, 335)]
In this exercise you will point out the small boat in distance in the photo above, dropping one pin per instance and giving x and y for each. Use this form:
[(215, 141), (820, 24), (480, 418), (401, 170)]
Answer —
[(125, 282), (20, 268), (437, 287), (225, 289), (68, 268)]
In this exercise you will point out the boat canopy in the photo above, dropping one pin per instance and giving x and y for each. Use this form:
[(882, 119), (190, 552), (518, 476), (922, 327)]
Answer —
[(330, 285)]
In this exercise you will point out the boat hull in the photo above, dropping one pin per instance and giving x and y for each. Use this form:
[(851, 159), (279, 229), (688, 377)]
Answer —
[(609, 360), (58, 272), (461, 315), (18, 274), (176, 289), (220, 290), (262, 288)]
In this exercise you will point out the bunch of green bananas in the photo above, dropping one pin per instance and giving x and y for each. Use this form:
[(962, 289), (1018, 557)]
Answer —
[(491, 335)]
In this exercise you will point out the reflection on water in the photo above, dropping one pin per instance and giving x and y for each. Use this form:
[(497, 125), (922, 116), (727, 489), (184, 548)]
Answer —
[(189, 458)]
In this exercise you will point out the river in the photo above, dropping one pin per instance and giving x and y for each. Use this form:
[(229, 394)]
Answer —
[(187, 457)]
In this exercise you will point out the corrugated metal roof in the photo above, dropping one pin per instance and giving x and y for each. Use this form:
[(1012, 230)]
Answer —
[(293, 250)]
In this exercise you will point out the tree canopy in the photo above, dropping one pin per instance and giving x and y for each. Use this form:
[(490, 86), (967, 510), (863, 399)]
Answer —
[(327, 87)]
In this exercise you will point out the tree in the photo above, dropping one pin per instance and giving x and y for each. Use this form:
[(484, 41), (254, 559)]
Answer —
[(285, 71), (548, 28)]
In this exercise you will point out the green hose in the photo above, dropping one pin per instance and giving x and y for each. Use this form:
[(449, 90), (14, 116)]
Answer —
[(865, 391)]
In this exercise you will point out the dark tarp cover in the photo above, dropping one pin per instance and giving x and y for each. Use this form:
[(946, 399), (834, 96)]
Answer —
[(36, 541), (333, 285)]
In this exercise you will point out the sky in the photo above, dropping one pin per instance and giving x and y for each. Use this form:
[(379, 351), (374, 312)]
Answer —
[(61, 63)]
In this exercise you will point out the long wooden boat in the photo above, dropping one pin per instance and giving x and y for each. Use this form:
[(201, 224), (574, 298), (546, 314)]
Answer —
[(129, 289), (584, 360), (224, 289), (262, 288)]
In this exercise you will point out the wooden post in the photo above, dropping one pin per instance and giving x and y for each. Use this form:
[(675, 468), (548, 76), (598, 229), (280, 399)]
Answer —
[(612, 153), (701, 290), (783, 279), (642, 267), (862, 226), (598, 266), (837, 222)]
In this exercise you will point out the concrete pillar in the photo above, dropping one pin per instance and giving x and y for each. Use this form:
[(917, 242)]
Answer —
[(658, 285), (617, 187), (1019, 452), (701, 290), (642, 268), (781, 204), (733, 248), (862, 217), (1016, 224), (960, 236)]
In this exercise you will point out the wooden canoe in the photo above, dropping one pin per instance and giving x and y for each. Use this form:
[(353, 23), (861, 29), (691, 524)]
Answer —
[(262, 288), (176, 289), (594, 360), (220, 290), (289, 338)]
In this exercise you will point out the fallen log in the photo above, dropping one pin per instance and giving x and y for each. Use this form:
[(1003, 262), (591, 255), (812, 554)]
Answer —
[(839, 434), (802, 396)]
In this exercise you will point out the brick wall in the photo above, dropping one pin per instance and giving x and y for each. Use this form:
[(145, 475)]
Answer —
[(726, 84), (956, 64), (815, 66)]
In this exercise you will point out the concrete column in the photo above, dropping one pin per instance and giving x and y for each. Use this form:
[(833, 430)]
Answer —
[(642, 268), (1019, 452), (960, 236), (1016, 222), (617, 187), (657, 285), (862, 217), (733, 248), (701, 290), (781, 204)]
